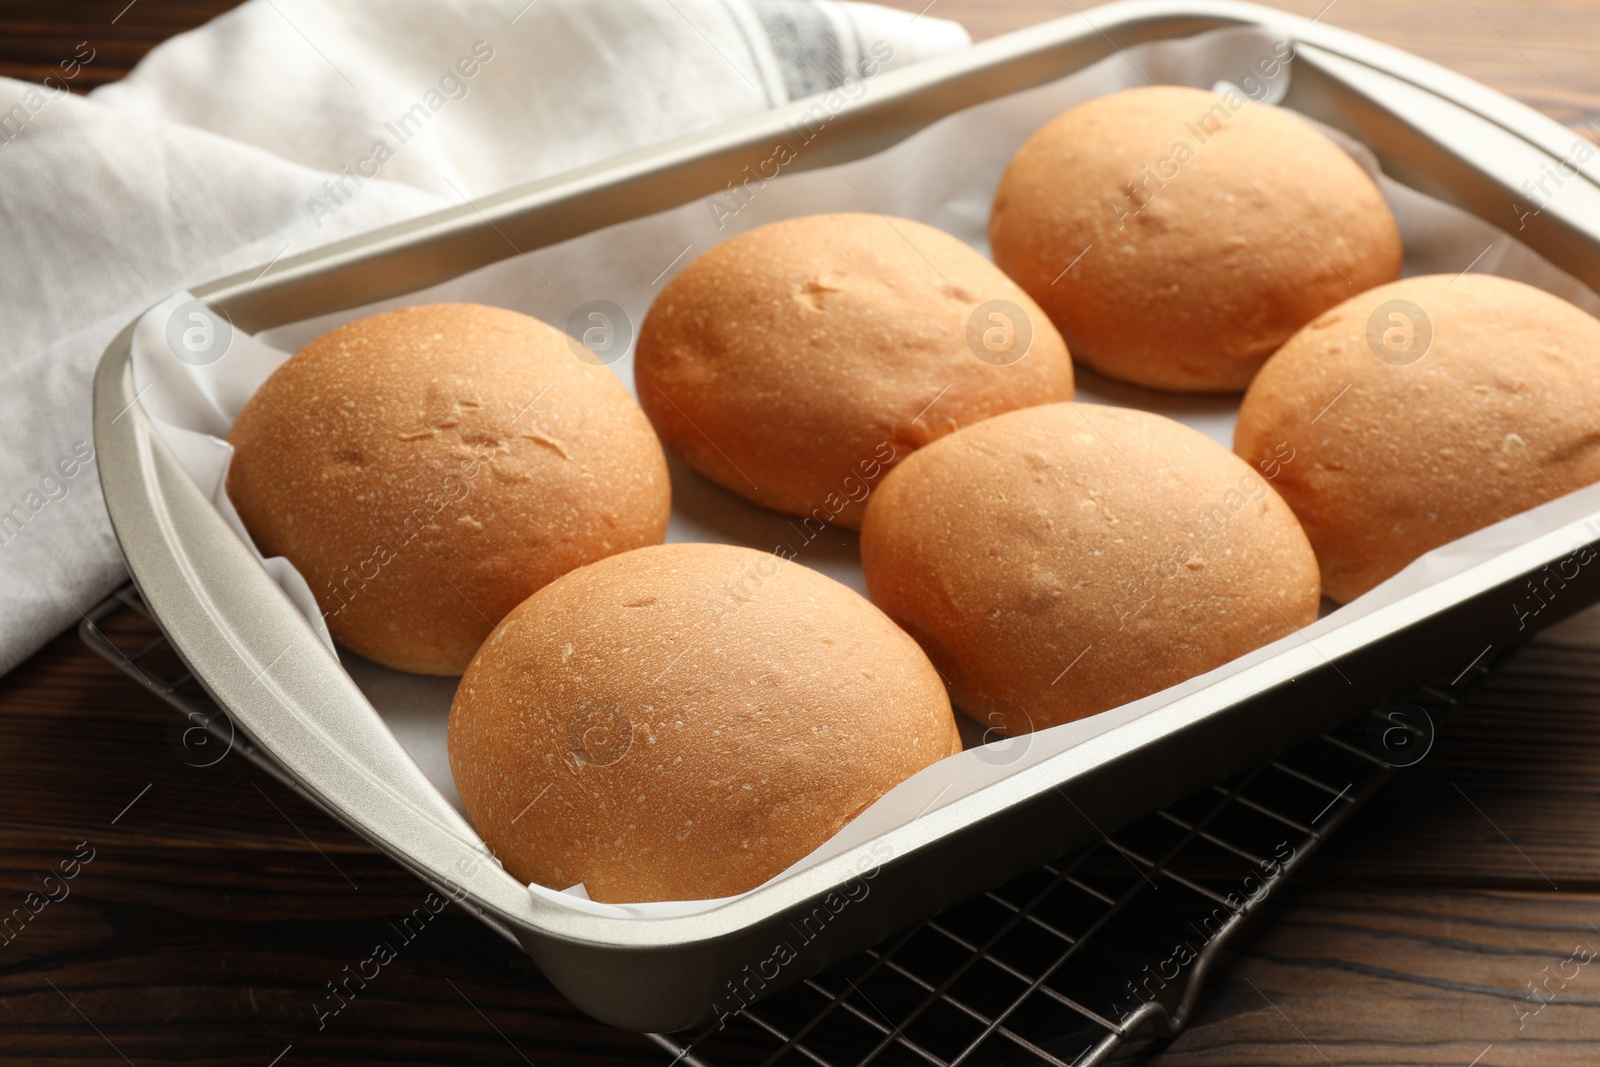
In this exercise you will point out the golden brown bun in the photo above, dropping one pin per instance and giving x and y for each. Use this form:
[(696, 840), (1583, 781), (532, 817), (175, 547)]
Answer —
[(1063, 560), (795, 363), (1383, 462), (428, 468), (687, 721), (1265, 225)]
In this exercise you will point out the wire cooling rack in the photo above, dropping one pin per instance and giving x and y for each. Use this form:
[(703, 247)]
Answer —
[(1102, 954)]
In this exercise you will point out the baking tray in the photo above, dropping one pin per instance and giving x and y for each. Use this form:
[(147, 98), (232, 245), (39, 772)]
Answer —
[(258, 658)]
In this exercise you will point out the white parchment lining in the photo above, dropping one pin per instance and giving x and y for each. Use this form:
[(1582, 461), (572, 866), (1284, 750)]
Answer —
[(945, 176)]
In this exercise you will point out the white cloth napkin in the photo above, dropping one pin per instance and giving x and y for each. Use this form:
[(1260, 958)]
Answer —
[(286, 124)]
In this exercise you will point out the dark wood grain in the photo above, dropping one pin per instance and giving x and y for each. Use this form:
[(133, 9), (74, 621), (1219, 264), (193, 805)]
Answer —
[(1394, 974), (37, 35), (1414, 936), (218, 906)]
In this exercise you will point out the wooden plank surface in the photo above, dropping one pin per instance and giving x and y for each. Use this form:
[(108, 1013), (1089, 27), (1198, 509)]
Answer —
[(1415, 935), (35, 37), (217, 906)]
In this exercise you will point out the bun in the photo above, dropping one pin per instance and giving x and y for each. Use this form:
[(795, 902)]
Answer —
[(796, 363), (1482, 405), (1063, 560), (428, 468), (1210, 229), (690, 720)]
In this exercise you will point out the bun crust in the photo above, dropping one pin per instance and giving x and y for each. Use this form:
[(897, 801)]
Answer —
[(428, 468), (1205, 241), (1392, 459), (786, 363), (687, 721), (1063, 560)]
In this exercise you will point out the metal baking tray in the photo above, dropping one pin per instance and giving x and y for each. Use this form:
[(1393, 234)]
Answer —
[(258, 658)]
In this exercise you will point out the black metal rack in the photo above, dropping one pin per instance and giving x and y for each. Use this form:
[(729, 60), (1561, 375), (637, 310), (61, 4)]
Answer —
[(1104, 953)]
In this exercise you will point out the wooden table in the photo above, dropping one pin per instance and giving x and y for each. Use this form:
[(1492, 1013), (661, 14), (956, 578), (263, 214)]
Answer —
[(217, 905)]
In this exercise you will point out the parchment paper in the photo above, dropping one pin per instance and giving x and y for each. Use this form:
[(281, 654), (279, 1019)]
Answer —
[(945, 176)]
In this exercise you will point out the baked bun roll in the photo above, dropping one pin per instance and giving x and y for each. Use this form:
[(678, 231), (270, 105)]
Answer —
[(1063, 560), (690, 720), (1418, 412), (795, 363), (427, 469), (1210, 229)]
